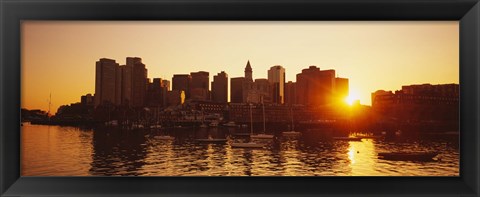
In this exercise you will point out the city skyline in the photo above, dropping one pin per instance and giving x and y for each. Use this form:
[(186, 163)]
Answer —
[(444, 70)]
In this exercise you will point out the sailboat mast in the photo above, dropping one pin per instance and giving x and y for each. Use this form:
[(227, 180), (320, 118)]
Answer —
[(263, 109), (251, 120)]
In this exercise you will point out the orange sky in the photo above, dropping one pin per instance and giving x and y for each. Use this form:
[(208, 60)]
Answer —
[(58, 57)]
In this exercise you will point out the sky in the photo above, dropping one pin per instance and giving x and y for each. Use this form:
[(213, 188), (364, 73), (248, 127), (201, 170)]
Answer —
[(58, 57)]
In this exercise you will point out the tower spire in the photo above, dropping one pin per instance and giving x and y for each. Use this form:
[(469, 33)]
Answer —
[(248, 72)]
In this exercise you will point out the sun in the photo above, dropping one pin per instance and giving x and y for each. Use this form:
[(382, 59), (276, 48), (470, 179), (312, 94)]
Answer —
[(351, 98)]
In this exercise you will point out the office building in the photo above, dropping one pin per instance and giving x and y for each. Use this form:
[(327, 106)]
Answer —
[(236, 89), (199, 87), (315, 87), (276, 77), (181, 82), (220, 87), (107, 82)]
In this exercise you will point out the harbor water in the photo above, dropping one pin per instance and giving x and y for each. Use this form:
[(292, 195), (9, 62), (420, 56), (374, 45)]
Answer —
[(71, 151)]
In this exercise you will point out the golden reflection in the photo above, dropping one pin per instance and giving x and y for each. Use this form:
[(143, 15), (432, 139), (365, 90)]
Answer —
[(362, 157)]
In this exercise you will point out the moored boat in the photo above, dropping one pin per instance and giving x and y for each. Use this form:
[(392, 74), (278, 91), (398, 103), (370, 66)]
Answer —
[(402, 156), (247, 145)]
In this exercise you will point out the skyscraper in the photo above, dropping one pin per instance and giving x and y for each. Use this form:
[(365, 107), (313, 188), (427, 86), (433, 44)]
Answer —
[(341, 89), (236, 89), (107, 82), (315, 87), (220, 87), (182, 82), (276, 77), (134, 82), (199, 87)]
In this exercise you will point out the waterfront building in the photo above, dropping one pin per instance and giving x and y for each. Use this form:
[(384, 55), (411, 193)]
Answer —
[(134, 82), (220, 87), (107, 82), (423, 102), (199, 86), (276, 77), (181, 82)]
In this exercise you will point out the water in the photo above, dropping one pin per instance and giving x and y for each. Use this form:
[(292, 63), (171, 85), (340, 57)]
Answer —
[(70, 151)]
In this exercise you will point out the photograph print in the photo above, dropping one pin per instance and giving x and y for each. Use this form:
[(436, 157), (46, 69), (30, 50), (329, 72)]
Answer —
[(239, 98)]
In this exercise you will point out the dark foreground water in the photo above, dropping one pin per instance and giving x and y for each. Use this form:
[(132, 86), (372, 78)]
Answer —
[(70, 151)]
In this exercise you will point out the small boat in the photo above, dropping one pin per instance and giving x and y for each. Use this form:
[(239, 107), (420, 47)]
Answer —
[(247, 145), (157, 126), (402, 156), (211, 140), (230, 124), (250, 144), (348, 138), (241, 134), (213, 124), (164, 137), (262, 136), (291, 133)]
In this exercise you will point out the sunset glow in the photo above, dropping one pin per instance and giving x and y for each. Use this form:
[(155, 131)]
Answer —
[(58, 57)]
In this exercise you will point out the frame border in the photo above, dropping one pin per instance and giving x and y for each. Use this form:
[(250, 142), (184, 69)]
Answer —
[(12, 12)]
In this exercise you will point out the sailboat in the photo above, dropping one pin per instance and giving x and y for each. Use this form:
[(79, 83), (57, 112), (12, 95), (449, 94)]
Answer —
[(262, 135), (292, 132), (250, 144)]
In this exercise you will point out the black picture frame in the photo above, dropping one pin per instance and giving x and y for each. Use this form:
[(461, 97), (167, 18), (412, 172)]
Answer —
[(12, 12)]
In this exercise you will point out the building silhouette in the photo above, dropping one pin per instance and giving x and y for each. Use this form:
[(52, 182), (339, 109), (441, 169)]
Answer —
[(199, 86), (181, 82), (290, 93), (419, 102), (236, 89), (220, 87), (341, 89), (276, 78), (138, 80), (107, 82), (315, 87)]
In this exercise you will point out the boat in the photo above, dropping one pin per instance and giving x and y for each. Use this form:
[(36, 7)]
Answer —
[(203, 126), (247, 145), (157, 126), (291, 133), (348, 138), (211, 140), (164, 137), (230, 124), (261, 136), (213, 124), (264, 135), (402, 156), (250, 144)]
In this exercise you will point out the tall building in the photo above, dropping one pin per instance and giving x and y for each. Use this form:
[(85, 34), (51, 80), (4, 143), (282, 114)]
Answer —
[(181, 82), (315, 87), (220, 87), (199, 87), (134, 83), (166, 84), (260, 92), (236, 89), (290, 93), (276, 77), (156, 93), (107, 82), (341, 89)]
